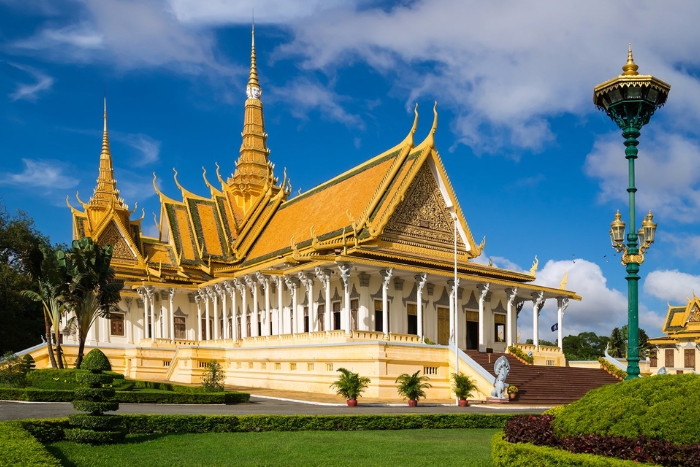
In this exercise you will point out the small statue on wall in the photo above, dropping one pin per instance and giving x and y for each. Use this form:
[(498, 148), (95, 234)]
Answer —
[(502, 369)]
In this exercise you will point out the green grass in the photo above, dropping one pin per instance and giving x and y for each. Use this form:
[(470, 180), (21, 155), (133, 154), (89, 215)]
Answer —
[(463, 447)]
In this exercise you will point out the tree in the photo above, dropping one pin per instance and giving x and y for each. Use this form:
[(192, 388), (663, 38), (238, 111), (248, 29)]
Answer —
[(541, 342), (642, 341), (585, 346), (20, 258), (618, 343), (90, 288)]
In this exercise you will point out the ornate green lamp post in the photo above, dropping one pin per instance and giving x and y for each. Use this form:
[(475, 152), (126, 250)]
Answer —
[(630, 100)]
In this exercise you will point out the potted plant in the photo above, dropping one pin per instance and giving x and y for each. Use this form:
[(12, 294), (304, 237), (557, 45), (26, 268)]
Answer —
[(462, 386), (512, 391), (412, 387), (350, 385)]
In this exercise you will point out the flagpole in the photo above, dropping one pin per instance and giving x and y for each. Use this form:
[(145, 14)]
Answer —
[(456, 318)]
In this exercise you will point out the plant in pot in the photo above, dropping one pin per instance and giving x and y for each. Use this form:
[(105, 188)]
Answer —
[(512, 391), (412, 387), (350, 385), (462, 386)]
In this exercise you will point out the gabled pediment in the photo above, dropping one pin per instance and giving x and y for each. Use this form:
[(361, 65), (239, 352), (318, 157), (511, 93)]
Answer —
[(124, 249)]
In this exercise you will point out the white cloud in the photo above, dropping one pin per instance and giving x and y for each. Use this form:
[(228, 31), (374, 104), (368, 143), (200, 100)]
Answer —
[(671, 285), (240, 11), (685, 246), (134, 187), (31, 92), (497, 261), (148, 147), (306, 96), (47, 174), (666, 174)]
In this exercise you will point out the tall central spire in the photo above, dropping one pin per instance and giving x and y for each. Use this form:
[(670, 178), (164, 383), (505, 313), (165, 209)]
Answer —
[(253, 168), (106, 193)]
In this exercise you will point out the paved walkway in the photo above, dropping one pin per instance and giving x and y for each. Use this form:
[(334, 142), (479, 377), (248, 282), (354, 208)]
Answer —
[(268, 402)]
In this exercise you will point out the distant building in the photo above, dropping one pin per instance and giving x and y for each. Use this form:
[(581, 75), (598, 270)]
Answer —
[(678, 350)]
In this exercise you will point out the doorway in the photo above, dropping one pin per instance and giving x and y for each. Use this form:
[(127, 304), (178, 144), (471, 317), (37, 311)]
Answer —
[(443, 325)]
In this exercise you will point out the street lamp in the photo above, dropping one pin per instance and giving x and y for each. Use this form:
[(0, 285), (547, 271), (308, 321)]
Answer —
[(630, 100)]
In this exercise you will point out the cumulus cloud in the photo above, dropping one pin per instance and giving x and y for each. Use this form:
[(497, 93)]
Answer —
[(671, 285), (31, 91), (685, 246), (46, 174), (666, 173)]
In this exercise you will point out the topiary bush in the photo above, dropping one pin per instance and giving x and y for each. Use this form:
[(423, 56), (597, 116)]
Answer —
[(96, 399), (96, 360), (660, 407)]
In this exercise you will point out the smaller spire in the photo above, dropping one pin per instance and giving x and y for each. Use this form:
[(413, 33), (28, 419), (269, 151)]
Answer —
[(630, 68), (253, 90)]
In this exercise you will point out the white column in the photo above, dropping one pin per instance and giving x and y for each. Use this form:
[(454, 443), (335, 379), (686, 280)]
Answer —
[(562, 303), (483, 291), (207, 297), (224, 306), (234, 317), (198, 300), (537, 303), (324, 275), (152, 306), (265, 284), (308, 283), (217, 293), (127, 322), (253, 286), (171, 327), (511, 295), (144, 298), (244, 305), (386, 276), (453, 300), (421, 279), (345, 276), (292, 286), (280, 289)]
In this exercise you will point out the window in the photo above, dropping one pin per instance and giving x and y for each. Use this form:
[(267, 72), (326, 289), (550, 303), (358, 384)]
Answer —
[(116, 324), (669, 360), (321, 317), (652, 359), (306, 319), (180, 329), (379, 315), (336, 315), (499, 327), (689, 358), (412, 312), (354, 306)]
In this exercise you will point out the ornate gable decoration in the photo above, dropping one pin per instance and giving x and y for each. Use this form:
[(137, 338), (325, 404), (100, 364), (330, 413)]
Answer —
[(123, 253), (422, 218), (694, 315)]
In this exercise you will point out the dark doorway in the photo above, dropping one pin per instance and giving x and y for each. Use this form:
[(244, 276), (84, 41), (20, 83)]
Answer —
[(413, 324), (472, 335), (306, 323), (378, 321)]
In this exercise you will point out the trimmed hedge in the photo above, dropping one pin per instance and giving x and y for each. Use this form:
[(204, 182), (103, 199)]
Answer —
[(95, 422), (95, 407), (660, 407), (505, 454), (51, 430), (520, 355), (20, 448), (612, 368), (80, 435), (55, 378), (37, 395), (96, 360), (182, 398)]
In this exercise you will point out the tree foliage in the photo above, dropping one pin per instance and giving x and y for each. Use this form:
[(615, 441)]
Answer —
[(20, 259), (585, 346)]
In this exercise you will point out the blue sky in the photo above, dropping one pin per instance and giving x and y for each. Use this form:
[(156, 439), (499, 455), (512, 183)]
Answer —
[(538, 170)]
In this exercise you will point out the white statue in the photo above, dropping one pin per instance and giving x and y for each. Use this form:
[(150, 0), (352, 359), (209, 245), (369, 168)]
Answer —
[(502, 369)]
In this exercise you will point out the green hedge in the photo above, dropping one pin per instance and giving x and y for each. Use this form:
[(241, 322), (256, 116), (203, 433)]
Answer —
[(20, 448), (505, 454), (65, 395), (37, 395), (525, 358), (659, 407), (622, 374), (138, 384), (51, 430)]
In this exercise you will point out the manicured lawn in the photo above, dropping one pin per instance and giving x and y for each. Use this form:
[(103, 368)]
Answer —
[(463, 447)]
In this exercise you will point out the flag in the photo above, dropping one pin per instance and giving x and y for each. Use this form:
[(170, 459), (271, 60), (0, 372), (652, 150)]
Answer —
[(555, 327)]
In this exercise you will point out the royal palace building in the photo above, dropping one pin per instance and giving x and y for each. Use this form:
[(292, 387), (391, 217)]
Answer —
[(372, 270)]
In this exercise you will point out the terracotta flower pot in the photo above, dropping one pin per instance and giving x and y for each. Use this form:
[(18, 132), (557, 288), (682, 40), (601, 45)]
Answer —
[(412, 403), (352, 402), (463, 403), (513, 395)]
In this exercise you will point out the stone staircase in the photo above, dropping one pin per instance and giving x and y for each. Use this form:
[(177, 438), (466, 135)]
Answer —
[(546, 385)]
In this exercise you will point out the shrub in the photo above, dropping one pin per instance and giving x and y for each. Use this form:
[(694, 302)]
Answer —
[(642, 406), (520, 355), (513, 389), (36, 395), (229, 397), (505, 454), (213, 377), (350, 385), (96, 360), (21, 449), (612, 368), (12, 371)]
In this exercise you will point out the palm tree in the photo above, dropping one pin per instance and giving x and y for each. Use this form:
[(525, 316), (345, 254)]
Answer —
[(91, 290), (412, 387), (350, 385), (53, 312)]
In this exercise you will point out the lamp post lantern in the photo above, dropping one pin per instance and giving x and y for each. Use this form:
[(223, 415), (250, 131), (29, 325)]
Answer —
[(630, 100)]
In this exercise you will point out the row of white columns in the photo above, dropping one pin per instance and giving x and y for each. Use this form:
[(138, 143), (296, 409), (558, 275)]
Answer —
[(147, 294)]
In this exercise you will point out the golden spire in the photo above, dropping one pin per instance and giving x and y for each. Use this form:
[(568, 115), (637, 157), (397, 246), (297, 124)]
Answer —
[(106, 193), (253, 168), (630, 68)]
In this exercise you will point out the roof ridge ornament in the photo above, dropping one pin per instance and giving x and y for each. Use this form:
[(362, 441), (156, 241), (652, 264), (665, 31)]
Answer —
[(630, 68)]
